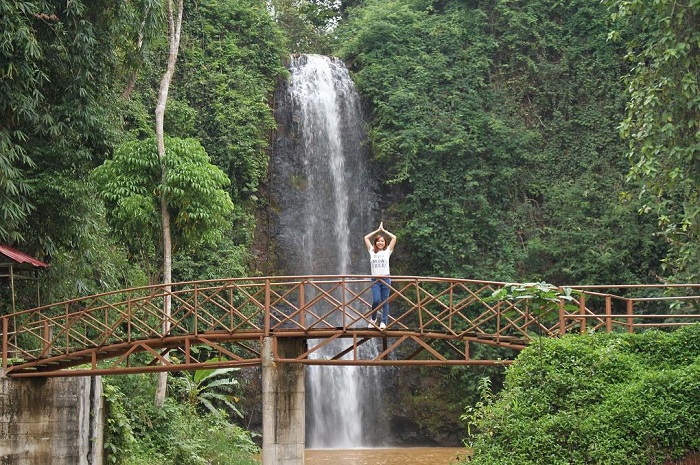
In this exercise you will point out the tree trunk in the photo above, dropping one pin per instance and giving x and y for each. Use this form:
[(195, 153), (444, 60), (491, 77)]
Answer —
[(131, 85), (174, 30)]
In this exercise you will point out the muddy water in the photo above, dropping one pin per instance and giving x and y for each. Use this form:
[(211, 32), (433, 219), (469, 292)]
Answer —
[(403, 456)]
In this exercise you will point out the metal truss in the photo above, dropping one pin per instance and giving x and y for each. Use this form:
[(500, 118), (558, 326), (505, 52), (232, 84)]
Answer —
[(434, 321)]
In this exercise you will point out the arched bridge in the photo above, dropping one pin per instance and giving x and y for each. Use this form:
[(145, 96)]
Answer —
[(434, 321)]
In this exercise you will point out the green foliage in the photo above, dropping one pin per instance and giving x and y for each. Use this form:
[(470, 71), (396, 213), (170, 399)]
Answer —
[(131, 185), (306, 23), (58, 107), (542, 298), (474, 414), (53, 108), (424, 73), (662, 125), (212, 389), (92, 268), (61, 117), (614, 399), (225, 258), (542, 302), (562, 76), (119, 436), (230, 61), (64, 66), (495, 122), (175, 434), (143, 28)]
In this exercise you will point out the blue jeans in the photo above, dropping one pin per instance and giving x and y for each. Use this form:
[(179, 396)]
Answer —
[(380, 293)]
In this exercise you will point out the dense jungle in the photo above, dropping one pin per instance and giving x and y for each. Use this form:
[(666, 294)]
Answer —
[(513, 140)]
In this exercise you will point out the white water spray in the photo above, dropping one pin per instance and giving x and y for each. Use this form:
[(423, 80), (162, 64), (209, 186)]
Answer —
[(327, 200)]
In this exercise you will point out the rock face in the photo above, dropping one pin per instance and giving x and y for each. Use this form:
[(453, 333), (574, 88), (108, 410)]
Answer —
[(54, 421), (324, 197), (324, 202), (424, 408), (322, 193)]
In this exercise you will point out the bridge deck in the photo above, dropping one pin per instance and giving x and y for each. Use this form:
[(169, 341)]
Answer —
[(434, 321)]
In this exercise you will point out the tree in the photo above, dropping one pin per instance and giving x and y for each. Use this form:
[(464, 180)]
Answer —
[(55, 113), (19, 74), (58, 115), (174, 14), (143, 191), (306, 23), (662, 124), (542, 304), (131, 186), (495, 123), (230, 64), (143, 27)]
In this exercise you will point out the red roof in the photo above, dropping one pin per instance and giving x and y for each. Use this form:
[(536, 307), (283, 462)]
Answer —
[(20, 257)]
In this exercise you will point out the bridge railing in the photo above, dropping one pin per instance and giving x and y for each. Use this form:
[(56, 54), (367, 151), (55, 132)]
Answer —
[(116, 324), (632, 308)]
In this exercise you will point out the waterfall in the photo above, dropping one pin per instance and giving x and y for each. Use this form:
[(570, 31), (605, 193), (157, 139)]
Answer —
[(324, 197)]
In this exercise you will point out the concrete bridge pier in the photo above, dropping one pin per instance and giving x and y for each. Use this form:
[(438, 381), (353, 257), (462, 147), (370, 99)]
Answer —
[(55, 421), (283, 441)]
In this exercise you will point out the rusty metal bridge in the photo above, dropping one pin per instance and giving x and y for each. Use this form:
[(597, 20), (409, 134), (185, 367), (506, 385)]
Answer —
[(434, 321)]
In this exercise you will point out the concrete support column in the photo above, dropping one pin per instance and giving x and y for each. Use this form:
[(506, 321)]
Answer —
[(54, 421), (283, 404)]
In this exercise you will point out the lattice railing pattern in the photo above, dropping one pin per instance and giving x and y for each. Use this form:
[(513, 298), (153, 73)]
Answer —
[(439, 318)]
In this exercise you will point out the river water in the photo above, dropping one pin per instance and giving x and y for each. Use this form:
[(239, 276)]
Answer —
[(388, 456)]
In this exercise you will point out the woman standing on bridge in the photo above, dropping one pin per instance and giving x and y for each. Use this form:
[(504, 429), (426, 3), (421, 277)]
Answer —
[(379, 254)]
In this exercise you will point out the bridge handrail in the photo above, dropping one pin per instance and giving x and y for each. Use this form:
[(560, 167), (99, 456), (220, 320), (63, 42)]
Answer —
[(249, 308), (363, 278)]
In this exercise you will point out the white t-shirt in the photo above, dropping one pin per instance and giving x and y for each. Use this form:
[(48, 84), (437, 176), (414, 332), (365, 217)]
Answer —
[(379, 262)]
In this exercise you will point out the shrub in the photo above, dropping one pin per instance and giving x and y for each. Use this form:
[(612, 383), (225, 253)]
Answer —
[(596, 399)]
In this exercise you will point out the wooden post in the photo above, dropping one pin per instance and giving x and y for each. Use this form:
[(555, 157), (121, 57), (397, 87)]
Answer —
[(302, 303), (343, 304), (630, 312), (267, 307), (12, 288), (5, 329), (196, 307), (562, 318), (498, 323), (419, 307)]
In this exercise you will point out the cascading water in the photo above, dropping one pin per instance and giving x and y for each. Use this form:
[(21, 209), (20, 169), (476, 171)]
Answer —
[(325, 199)]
